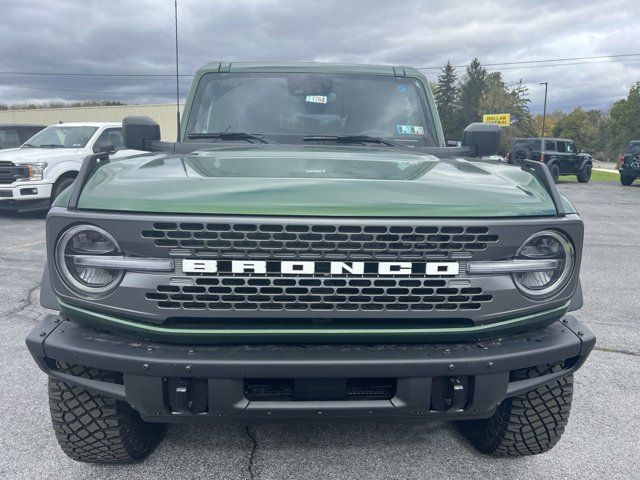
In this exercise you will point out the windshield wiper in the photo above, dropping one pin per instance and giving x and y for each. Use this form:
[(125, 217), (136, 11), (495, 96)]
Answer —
[(228, 136), (350, 139), (44, 145)]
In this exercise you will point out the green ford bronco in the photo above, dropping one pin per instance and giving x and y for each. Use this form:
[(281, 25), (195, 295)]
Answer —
[(309, 249)]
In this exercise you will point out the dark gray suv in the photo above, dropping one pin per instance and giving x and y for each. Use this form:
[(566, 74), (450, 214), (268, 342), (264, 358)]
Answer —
[(559, 154)]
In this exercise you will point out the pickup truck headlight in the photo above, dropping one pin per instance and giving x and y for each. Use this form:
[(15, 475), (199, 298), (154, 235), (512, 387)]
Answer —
[(80, 241), (545, 245), (36, 170)]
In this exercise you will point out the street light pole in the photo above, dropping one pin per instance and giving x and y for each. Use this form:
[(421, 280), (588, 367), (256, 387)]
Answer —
[(175, 4), (544, 112)]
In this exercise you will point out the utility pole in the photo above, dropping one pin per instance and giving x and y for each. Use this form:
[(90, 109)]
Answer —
[(175, 4), (544, 112)]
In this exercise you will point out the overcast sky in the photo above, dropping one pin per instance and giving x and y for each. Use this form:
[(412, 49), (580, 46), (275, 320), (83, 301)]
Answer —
[(137, 36)]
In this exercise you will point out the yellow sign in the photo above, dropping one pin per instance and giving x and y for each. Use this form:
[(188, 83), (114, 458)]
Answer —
[(502, 119)]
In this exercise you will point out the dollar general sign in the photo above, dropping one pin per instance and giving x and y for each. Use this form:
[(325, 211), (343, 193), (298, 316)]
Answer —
[(502, 119)]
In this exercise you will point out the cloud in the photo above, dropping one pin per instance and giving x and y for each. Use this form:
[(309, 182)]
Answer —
[(122, 36)]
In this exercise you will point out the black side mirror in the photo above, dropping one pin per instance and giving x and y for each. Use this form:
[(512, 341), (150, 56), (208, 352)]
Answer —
[(104, 147), (485, 137), (139, 132)]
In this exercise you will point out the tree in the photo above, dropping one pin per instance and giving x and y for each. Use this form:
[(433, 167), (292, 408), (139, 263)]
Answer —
[(471, 88), (625, 119), (589, 129), (446, 97), (550, 122), (497, 97)]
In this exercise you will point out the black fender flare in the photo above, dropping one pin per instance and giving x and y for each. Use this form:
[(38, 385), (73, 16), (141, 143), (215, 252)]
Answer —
[(47, 295), (585, 162)]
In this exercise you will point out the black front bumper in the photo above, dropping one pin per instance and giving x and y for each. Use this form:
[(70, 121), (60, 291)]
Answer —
[(12, 205), (177, 383), (632, 170)]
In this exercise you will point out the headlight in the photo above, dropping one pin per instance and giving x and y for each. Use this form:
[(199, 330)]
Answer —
[(83, 240), (36, 170), (545, 245)]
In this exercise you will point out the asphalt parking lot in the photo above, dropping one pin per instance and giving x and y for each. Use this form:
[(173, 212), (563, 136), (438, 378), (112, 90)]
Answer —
[(601, 441)]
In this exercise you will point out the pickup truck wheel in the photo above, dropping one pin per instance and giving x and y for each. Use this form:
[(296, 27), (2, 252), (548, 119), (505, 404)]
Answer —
[(626, 180), (60, 187), (96, 429), (526, 424), (584, 175), (555, 172)]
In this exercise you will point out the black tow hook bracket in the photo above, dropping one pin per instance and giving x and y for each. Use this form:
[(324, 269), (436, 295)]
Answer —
[(183, 401), (187, 396), (457, 394)]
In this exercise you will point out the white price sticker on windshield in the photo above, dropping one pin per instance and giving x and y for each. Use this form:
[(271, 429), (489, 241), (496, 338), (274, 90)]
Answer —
[(316, 99)]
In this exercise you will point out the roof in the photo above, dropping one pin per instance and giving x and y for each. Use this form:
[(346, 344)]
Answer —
[(553, 139), (89, 124), (302, 67), (23, 125)]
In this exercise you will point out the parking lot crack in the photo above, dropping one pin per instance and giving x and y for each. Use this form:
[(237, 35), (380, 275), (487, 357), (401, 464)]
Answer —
[(29, 301), (615, 350), (252, 455)]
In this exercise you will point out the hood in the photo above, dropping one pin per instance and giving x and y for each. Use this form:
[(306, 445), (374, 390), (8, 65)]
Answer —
[(315, 180), (29, 154)]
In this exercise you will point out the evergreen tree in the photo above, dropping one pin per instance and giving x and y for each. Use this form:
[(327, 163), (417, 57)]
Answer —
[(446, 97), (471, 88)]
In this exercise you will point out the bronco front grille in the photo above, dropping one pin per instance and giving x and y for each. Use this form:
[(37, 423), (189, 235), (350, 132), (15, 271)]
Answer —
[(294, 294), (319, 241)]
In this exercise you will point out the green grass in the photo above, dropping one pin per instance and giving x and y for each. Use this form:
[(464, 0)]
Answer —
[(596, 176)]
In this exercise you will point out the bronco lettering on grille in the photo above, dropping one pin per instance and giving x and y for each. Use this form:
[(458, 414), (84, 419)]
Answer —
[(326, 268)]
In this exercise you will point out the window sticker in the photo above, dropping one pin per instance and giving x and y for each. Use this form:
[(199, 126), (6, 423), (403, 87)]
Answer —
[(401, 88), (410, 130), (316, 99)]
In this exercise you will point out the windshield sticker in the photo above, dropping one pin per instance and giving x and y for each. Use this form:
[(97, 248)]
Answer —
[(401, 88), (316, 99), (410, 130)]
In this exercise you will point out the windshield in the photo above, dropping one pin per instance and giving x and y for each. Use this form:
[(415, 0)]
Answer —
[(62, 136), (633, 148), (286, 107)]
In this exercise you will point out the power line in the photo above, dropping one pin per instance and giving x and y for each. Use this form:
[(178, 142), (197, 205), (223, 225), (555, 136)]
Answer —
[(525, 62), (170, 75), (564, 64), (55, 74), (88, 91)]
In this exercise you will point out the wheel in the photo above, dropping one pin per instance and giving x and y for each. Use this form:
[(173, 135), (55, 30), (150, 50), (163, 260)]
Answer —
[(584, 175), (527, 424), (555, 172), (59, 187), (626, 180), (519, 156), (96, 429)]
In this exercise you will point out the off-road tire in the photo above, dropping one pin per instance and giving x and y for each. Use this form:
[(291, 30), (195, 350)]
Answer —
[(528, 424), (626, 180), (96, 429), (60, 186), (584, 175), (555, 172), (519, 156)]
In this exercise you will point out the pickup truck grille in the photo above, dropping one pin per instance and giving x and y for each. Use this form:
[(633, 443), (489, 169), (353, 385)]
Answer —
[(319, 241), (291, 294), (9, 172)]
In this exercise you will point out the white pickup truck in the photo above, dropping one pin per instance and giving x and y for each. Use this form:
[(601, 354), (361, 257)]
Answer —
[(33, 175)]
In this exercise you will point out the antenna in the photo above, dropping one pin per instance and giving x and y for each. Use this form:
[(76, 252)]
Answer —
[(175, 4)]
